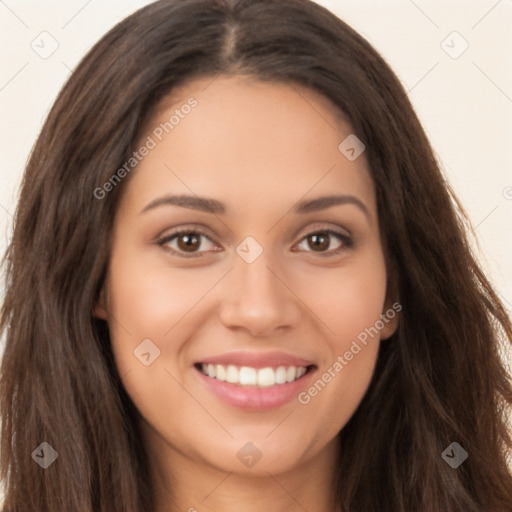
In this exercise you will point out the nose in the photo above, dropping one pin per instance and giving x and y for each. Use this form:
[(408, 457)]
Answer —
[(257, 298)]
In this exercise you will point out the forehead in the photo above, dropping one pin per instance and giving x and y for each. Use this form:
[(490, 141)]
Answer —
[(247, 141)]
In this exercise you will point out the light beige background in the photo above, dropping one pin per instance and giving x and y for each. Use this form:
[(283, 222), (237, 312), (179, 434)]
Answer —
[(464, 103)]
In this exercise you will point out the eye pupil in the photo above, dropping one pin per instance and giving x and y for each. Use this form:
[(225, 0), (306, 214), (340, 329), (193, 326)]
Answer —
[(319, 241), (189, 242)]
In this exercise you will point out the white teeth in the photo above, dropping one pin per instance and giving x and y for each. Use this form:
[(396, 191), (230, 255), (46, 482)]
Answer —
[(281, 375), (232, 374), (266, 377), (291, 374), (247, 376), (221, 372)]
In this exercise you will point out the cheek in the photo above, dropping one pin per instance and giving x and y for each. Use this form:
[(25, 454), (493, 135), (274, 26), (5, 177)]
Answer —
[(349, 304), (151, 299), (347, 301), (147, 301)]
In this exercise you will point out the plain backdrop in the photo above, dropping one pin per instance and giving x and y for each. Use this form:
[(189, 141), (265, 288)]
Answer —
[(453, 58)]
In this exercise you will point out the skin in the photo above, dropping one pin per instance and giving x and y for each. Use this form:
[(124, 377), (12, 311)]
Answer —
[(258, 148)]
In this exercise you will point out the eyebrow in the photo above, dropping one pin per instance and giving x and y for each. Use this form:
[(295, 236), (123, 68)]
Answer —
[(322, 203), (209, 205), (192, 202)]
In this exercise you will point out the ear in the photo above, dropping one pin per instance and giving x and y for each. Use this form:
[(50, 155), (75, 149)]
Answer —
[(100, 309), (390, 317)]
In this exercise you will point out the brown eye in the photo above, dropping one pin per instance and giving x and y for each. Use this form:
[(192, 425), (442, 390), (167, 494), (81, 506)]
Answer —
[(321, 242), (189, 242), (318, 241)]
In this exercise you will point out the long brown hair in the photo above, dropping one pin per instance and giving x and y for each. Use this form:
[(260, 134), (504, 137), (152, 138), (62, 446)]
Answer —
[(438, 380)]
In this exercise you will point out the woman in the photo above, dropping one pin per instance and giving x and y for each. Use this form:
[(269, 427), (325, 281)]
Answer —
[(238, 280)]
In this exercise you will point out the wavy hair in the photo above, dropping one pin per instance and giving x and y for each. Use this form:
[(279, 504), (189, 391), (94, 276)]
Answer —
[(438, 379)]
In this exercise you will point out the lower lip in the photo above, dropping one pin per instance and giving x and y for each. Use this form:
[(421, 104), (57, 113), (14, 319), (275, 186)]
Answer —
[(256, 399)]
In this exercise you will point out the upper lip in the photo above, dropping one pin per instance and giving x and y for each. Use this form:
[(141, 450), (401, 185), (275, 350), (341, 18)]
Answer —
[(256, 359)]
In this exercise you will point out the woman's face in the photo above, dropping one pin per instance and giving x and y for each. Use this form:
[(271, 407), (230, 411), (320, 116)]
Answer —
[(248, 341)]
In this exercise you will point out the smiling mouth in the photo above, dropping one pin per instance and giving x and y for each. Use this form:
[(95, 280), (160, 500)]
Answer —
[(246, 376)]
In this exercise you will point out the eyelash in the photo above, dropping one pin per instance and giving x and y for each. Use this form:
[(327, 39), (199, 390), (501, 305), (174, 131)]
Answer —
[(347, 242)]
